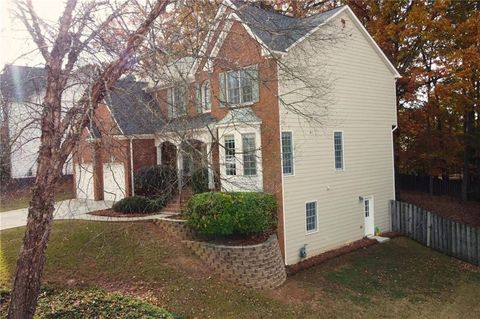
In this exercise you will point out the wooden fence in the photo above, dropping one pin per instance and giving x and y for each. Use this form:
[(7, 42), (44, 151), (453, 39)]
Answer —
[(447, 236)]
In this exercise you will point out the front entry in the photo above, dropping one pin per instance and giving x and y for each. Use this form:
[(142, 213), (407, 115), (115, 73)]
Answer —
[(368, 215)]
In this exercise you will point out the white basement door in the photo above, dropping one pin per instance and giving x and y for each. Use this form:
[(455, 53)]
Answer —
[(84, 181), (113, 181)]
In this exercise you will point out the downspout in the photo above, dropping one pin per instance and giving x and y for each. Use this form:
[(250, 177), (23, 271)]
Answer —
[(131, 168), (394, 128)]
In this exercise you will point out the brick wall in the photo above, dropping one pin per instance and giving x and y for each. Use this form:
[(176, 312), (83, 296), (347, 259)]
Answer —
[(240, 50), (111, 148)]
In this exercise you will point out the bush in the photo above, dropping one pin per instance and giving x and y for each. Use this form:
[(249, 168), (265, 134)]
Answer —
[(226, 214), (158, 180), (136, 205), (200, 181)]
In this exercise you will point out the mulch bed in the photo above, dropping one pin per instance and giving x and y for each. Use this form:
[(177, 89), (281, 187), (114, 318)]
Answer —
[(462, 212), (315, 260), (109, 212)]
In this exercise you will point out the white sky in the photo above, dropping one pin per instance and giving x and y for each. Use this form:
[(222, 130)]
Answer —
[(14, 40)]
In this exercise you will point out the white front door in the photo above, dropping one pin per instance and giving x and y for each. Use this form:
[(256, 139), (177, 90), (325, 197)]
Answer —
[(368, 215)]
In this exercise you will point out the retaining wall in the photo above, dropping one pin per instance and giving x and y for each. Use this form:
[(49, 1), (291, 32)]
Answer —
[(256, 266)]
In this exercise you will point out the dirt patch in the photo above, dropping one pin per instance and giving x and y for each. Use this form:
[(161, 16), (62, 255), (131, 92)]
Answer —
[(110, 212), (391, 234), (313, 261), (462, 212)]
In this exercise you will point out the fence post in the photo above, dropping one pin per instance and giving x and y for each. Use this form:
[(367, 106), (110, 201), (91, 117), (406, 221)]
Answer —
[(429, 227)]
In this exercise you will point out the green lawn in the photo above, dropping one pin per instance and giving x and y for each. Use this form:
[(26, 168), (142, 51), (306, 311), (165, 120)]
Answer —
[(22, 199), (397, 279)]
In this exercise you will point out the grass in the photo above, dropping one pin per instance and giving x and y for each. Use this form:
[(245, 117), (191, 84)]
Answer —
[(94, 303), (396, 279), (21, 199)]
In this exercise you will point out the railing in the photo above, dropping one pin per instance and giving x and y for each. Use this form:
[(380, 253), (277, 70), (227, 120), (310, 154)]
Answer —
[(445, 235)]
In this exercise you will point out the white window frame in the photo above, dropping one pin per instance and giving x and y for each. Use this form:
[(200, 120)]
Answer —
[(232, 136), (293, 152), (254, 151), (343, 151), (173, 110), (313, 231), (203, 102), (240, 103)]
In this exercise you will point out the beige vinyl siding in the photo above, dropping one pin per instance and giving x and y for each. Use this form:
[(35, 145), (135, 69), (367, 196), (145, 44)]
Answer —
[(361, 104)]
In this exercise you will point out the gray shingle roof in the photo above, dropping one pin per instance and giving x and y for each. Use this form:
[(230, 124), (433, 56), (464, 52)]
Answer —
[(22, 83), (244, 115), (278, 31), (189, 123), (131, 108)]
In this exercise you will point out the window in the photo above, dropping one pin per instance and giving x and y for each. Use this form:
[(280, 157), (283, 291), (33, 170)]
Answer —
[(176, 101), (311, 216), (366, 203), (239, 86), (230, 165), (338, 146), (287, 153), (249, 156), (205, 97)]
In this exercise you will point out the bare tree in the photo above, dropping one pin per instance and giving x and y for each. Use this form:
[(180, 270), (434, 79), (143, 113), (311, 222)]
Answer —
[(62, 47), (75, 44)]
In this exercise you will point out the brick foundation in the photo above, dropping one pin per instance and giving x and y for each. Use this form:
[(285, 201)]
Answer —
[(257, 266)]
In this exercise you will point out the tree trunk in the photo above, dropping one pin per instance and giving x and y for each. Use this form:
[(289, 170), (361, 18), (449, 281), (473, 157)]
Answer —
[(31, 261)]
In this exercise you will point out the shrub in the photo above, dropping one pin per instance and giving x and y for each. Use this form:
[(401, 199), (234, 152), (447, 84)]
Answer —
[(226, 214), (135, 204), (158, 180), (200, 181)]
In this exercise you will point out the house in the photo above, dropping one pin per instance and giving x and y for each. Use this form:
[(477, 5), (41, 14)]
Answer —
[(300, 108), (22, 91)]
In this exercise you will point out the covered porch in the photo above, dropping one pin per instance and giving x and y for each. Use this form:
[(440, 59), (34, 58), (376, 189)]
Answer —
[(187, 154)]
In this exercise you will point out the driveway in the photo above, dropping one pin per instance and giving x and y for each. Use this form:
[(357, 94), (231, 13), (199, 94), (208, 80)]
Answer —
[(71, 209), (67, 209)]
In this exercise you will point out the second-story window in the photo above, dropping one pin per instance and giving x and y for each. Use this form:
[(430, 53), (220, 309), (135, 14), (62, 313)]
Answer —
[(177, 101), (206, 96), (239, 86), (338, 149), (287, 153)]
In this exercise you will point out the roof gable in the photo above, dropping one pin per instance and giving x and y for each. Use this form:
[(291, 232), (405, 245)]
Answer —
[(130, 107), (277, 33)]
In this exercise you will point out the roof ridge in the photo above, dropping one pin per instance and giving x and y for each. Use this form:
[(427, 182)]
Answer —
[(323, 12)]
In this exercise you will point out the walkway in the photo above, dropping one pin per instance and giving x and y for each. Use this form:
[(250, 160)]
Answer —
[(70, 209)]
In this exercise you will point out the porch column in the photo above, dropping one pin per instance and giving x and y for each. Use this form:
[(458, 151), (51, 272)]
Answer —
[(211, 184), (159, 154), (179, 168)]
